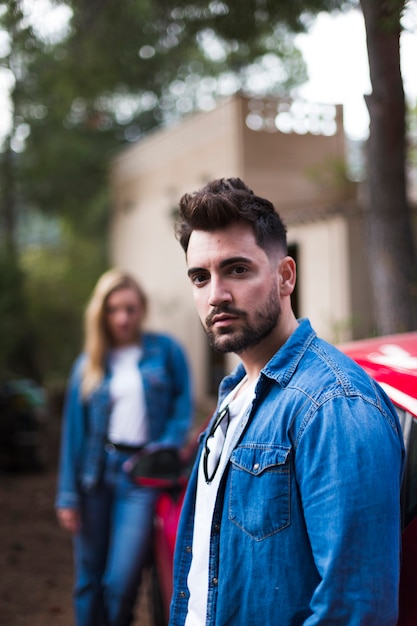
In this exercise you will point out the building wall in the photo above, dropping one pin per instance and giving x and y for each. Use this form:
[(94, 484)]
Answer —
[(362, 319), (149, 177), (323, 274), (293, 170)]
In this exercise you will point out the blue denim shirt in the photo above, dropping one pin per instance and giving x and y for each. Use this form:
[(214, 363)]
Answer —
[(167, 387), (306, 527)]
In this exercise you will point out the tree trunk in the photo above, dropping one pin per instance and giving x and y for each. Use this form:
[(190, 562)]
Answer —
[(8, 202), (389, 233)]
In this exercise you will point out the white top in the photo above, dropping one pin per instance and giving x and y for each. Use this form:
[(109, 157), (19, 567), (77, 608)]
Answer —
[(204, 507), (128, 423)]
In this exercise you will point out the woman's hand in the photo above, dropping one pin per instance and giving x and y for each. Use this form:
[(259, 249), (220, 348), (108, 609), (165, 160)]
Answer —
[(69, 519)]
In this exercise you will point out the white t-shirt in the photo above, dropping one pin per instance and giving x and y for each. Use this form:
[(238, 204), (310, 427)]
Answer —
[(205, 501), (128, 423)]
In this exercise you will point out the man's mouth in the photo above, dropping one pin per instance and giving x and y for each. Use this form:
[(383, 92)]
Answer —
[(220, 321)]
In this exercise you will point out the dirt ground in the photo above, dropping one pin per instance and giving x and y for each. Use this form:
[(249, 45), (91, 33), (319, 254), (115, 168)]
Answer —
[(35, 554)]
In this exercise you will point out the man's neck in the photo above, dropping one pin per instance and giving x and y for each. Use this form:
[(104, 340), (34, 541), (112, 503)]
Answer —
[(256, 357)]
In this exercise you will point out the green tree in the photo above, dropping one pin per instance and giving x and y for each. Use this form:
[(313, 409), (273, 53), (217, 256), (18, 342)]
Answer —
[(122, 71), (15, 354)]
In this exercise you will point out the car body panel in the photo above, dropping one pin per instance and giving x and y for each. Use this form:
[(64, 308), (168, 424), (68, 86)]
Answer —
[(167, 514), (392, 362)]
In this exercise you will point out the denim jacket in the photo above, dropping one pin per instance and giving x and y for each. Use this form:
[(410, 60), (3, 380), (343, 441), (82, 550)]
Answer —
[(167, 387), (306, 526)]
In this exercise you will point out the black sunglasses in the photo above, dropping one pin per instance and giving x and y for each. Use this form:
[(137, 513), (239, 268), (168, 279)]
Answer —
[(221, 415)]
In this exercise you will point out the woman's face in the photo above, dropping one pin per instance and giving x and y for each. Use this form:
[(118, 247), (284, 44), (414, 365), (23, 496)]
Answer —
[(123, 315)]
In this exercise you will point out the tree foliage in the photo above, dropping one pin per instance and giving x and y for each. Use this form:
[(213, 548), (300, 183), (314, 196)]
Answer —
[(119, 71)]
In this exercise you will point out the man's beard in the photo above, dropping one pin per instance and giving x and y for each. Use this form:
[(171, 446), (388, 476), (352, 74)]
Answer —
[(265, 319)]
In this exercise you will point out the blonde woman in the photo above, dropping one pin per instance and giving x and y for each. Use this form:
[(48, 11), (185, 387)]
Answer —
[(130, 388)]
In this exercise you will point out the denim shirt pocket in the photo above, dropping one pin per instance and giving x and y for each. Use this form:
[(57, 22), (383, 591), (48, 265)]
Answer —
[(259, 495)]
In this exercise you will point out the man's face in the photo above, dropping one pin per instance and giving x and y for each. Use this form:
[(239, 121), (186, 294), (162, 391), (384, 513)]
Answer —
[(235, 287)]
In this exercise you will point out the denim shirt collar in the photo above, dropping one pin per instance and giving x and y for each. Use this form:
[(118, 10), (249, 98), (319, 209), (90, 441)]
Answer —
[(282, 365)]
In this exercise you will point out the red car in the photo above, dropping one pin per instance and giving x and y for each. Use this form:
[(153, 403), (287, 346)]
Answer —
[(392, 362)]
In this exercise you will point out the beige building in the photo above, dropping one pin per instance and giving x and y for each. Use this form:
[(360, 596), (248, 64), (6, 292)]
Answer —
[(291, 153)]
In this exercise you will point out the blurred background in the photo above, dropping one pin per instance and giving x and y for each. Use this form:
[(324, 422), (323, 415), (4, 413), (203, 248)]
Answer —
[(88, 87), (109, 111), (84, 82)]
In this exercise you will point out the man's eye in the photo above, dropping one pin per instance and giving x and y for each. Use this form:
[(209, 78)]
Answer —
[(197, 279), (239, 270)]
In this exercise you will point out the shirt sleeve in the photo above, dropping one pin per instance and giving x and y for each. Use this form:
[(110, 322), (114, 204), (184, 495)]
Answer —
[(348, 467), (179, 419), (72, 437)]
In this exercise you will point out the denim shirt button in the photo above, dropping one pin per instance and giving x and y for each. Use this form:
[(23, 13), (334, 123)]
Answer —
[(188, 549), (183, 594), (256, 466), (215, 581), (217, 527)]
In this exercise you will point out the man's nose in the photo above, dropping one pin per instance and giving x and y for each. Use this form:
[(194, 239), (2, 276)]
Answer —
[(219, 293)]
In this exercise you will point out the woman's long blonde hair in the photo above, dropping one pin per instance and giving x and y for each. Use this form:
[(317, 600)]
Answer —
[(97, 340)]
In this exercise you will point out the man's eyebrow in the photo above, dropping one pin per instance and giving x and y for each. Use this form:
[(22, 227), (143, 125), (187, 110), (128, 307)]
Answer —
[(194, 270), (235, 259), (222, 264)]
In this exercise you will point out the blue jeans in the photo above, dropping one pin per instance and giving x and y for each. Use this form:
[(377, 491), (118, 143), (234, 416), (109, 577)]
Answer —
[(112, 547)]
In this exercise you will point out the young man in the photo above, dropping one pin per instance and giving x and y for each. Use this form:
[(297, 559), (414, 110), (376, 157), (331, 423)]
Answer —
[(292, 514)]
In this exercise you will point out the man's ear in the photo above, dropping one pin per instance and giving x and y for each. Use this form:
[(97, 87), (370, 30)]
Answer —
[(288, 275)]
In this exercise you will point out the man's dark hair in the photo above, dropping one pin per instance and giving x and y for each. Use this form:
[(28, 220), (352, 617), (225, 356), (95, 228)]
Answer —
[(226, 201)]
